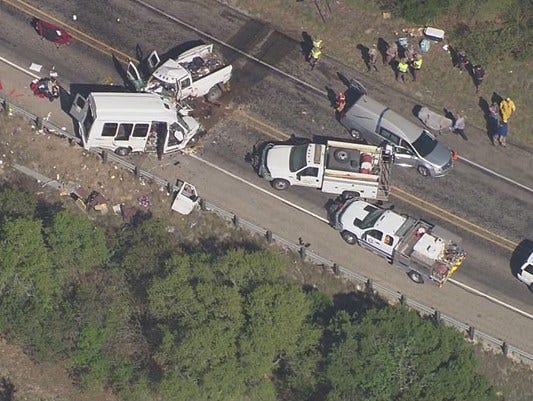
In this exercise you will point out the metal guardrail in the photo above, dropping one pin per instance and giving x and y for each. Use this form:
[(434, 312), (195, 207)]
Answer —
[(363, 283)]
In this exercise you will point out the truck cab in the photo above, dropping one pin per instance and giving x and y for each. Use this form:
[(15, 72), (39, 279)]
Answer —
[(371, 227), (297, 164)]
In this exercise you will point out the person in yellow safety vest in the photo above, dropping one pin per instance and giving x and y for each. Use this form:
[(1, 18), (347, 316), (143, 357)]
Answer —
[(402, 69), (507, 107), (416, 65), (316, 53), (317, 43)]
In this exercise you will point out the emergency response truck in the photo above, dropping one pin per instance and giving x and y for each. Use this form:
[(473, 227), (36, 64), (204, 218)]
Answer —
[(425, 251), (353, 170)]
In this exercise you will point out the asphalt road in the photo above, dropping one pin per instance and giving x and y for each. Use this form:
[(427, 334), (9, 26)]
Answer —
[(267, 105)]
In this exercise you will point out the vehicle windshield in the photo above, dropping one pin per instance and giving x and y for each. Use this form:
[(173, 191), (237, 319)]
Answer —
[(182, 122), (370, 219), (425, 144), (298, 158)]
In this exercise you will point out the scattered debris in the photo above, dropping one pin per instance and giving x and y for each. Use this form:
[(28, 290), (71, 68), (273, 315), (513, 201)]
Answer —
[(144, 201)]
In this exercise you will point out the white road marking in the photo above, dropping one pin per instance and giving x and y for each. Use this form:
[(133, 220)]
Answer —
[(489, 171)]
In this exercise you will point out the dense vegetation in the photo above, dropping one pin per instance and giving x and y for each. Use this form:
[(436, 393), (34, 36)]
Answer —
[(134, 310), (489, 30)]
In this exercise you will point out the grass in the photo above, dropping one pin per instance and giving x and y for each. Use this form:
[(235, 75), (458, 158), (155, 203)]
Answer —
[(440, 85)]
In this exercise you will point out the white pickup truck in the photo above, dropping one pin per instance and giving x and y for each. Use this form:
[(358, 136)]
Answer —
[(353, 170), (194, 73), (424, 250)]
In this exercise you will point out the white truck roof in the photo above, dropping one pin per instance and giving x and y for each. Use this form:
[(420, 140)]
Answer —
[(390, 222), (131, 106)]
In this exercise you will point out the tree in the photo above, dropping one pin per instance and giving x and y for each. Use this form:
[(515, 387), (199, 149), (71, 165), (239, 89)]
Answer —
[(393, 354), (15, 204), (76, 242)]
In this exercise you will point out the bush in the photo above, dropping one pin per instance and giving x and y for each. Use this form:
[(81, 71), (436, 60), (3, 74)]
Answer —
[(417, 11)]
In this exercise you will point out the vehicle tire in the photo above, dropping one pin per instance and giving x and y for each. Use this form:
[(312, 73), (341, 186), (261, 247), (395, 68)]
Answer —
[(214, 94), (341, 155), (423, 171), (350, 195), (355, 134), (280, 184), (122, 151), (416, 277), (349, 237)]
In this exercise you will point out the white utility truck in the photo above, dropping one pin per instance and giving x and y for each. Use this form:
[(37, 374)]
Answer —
[(351, 169), (132, 122), (194, 73), (424, 250)]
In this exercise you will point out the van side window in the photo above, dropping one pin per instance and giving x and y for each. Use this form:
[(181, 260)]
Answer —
[(389, 136), (110, 129), (124, 132), (140, 130), (185, 83)]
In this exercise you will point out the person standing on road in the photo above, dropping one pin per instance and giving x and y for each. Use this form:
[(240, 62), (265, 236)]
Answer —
[(501, 134), (507, 108), (372, 58), (401, 69), (416, 65), (478, 73)]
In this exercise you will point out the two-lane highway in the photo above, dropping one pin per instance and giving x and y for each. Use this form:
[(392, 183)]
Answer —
[(489, 212)]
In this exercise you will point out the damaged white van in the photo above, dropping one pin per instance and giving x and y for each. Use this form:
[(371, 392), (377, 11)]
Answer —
[(132, 122)]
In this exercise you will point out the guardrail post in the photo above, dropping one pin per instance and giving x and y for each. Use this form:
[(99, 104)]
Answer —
[(203, 207), (235, 220), (436, 316), (268, 236), (471, 333), (505, 349), (136, 171), (104, 157), (302, 252), (169, 187), (403, 299), (336, 269), (39, 123), (369, 287)]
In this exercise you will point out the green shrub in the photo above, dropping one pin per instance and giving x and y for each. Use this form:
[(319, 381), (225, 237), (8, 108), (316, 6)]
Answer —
[(417, 11)]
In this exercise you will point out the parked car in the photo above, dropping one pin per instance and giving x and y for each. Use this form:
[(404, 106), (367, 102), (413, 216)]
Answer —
[(370, 121)]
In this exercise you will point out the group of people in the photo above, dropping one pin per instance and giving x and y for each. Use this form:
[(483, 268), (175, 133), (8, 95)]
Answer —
[(406, 59), (409, 60)]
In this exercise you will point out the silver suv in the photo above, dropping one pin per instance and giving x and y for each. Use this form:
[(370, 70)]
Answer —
[(368, 120)]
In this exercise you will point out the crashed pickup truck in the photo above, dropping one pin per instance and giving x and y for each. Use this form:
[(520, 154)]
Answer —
[(194, 73)]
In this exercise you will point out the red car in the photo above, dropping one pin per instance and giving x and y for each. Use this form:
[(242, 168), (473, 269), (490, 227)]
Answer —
[(51, 32)]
